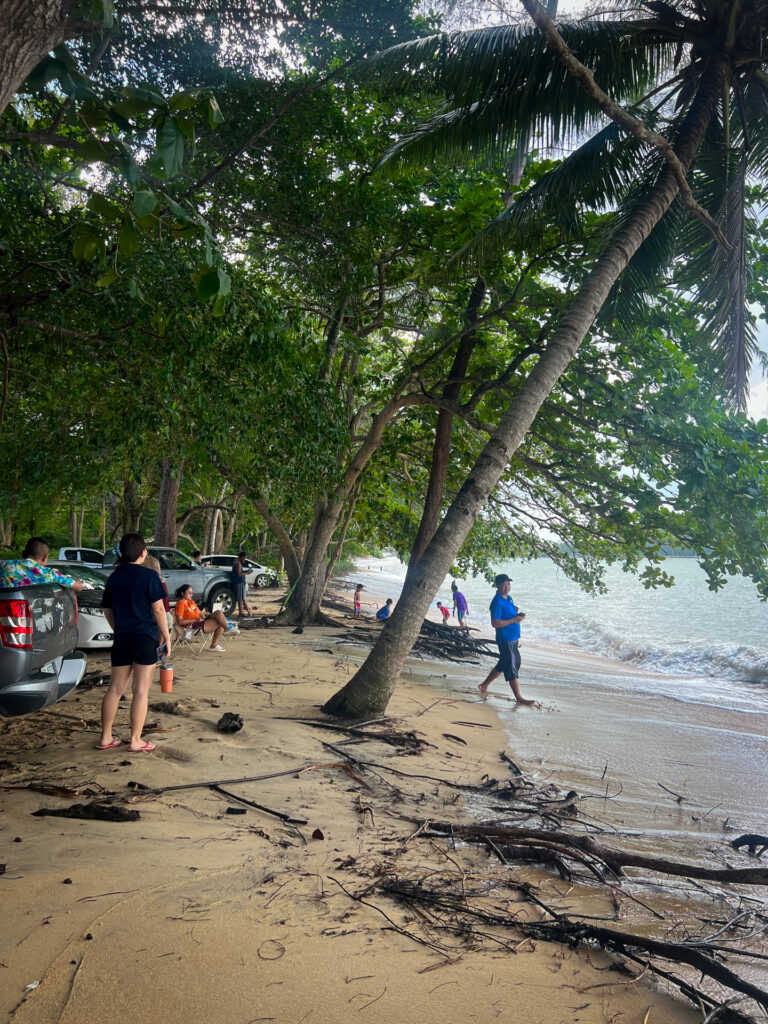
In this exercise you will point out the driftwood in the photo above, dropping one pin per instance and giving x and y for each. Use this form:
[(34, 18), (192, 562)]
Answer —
[(435, 639), (457, 909), (95, 811), (566, 844), (260, 807), (391, 736)]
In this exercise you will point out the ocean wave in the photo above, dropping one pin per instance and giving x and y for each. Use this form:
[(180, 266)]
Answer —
[(698, 658)]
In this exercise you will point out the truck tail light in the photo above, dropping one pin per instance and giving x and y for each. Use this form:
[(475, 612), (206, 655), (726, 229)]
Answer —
[(16, 627)]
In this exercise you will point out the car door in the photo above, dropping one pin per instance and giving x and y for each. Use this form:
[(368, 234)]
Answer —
[(177, 570)]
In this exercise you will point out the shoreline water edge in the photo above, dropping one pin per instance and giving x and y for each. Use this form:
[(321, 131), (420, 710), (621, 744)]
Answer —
[(610, 721)]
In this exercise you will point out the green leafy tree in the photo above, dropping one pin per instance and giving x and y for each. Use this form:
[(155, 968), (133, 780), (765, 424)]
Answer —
[(505, 84)]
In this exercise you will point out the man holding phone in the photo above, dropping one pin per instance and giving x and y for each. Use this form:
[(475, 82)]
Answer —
[(506, 619)]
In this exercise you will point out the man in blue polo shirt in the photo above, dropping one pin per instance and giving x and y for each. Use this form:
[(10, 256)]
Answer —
[(505, 619)]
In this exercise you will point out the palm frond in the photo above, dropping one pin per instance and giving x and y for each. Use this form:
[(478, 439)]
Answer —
[(730, 327), (594, 176), (507, 74), (755, 107)]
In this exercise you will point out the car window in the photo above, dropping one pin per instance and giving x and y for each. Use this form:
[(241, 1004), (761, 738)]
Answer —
[(90, 579), (173, 560), (90, 555)]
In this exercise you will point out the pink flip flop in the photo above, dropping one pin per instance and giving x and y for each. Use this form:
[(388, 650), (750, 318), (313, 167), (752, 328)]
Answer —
[(114, 742), (145, 748)]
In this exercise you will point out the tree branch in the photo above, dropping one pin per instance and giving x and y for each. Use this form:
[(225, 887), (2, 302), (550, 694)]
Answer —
[(621, 116)]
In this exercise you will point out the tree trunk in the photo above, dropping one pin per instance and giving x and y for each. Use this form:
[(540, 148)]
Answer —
[(73, 523), (165, 520), (229, 532), (304, 603), (29, 29), (368, 692), (284, 543), (7, 532), (441, 450), (131, 512)]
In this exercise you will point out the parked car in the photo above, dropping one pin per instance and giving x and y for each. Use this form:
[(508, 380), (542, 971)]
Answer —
[(86, 556), (39, 663), (257, 575), (211, 587), (93, 630)]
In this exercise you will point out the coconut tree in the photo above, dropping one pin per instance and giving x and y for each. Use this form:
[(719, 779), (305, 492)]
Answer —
[(686, 110)]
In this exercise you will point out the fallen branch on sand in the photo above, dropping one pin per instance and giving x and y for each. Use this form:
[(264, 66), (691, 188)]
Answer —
[(95, 811), (453, 910), (597, 855)]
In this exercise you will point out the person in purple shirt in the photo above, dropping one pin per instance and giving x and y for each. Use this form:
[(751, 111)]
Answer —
[(460, 609), (506, 619)]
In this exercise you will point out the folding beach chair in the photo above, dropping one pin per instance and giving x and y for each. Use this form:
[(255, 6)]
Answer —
[(189, 637)]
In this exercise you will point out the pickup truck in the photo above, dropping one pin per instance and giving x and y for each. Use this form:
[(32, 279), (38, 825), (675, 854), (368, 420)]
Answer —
[(211, 587), (38, 636)]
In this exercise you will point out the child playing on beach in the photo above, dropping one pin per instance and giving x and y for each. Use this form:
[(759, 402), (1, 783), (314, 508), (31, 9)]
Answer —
[(445, 613), (383, 612), (358, 600)]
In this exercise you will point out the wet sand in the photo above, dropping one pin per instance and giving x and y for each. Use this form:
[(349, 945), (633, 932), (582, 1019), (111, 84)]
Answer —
[(193, 914)]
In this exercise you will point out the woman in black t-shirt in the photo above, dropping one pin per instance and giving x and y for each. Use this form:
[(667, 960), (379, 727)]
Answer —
[(133, 605)]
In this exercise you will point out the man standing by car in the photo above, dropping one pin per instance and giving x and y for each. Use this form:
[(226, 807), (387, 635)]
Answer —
[(32, 568), (506, 619), (240, 583)]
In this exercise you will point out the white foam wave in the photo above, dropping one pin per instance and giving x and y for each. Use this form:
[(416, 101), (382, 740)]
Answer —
[(737, 662)]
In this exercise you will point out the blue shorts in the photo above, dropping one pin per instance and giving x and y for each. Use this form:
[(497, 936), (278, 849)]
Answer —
[(509, 659), (134, 649)]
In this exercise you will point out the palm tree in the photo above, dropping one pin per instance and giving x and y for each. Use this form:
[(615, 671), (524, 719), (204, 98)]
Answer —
[(692, 77)]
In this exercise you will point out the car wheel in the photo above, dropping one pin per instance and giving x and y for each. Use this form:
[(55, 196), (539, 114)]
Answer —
[(222, 597), (262, 580)]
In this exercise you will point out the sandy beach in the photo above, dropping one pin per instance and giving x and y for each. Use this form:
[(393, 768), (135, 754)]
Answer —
[(198, 912)]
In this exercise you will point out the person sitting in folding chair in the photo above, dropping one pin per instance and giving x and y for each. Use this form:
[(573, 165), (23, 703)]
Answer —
[(186, 615)]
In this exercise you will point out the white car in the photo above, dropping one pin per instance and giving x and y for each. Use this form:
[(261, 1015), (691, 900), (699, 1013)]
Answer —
[(93, 630), (85, 556), (257, 575)]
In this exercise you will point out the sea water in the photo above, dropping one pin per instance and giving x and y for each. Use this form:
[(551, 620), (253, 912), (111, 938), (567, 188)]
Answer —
[(687, 642)]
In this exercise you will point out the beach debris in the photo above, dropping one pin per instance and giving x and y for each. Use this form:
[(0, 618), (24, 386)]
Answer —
[(31, 986), (230, 722), (271, 950), (394, 737), (751, 841), (251, 803), (601, 860), (47, 790), (317, 834), (184, 706), (94, 811), (299, 629), (516, 770), (235, 810), (679, 798), (459, 909)]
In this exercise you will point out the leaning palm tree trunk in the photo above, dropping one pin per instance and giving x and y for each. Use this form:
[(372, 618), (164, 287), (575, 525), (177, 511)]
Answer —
[(369, 690)]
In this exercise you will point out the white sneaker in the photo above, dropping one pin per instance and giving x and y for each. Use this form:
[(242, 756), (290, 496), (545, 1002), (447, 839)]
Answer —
[(218, 649)]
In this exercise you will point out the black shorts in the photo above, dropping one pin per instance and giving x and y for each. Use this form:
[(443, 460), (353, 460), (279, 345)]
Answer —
[(134, 649), (509, 659)]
